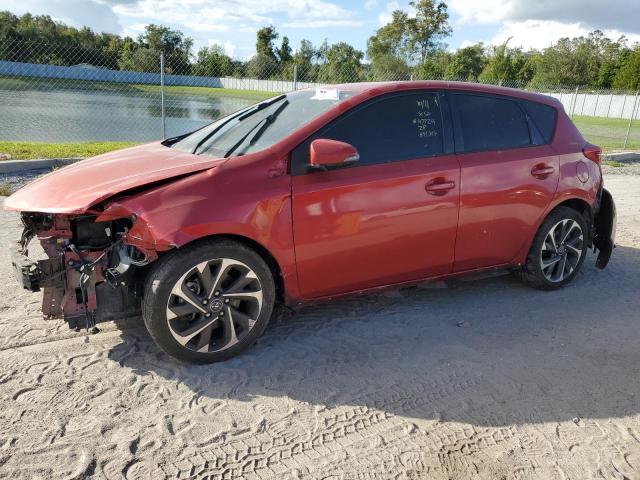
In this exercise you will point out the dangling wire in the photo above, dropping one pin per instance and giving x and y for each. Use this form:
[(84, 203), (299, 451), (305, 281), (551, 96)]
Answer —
[(85, 268), (90, 321)]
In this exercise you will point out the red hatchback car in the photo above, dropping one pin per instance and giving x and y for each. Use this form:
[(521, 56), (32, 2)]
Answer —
[(310, 195)]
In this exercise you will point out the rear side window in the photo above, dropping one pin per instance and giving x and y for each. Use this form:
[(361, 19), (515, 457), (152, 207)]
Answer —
[(542, 118), (490, 123), (394, 128)]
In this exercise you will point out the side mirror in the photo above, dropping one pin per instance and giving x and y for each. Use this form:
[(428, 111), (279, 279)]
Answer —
[(328, 154)]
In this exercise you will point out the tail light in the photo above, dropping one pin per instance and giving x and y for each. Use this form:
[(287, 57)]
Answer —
[(592, 152)]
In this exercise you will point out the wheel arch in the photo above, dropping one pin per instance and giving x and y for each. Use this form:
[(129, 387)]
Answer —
[(576, 203), (582, 207), (265, 254)]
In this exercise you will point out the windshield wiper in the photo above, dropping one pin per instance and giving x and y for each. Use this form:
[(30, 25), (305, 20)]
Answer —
[(240, 117), (263, 124), (262, 106)]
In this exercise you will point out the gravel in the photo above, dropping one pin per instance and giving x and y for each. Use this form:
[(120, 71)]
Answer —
[(628, 168), (538, 385)]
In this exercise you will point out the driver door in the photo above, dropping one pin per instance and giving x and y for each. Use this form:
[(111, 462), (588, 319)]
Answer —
[(390, 218)]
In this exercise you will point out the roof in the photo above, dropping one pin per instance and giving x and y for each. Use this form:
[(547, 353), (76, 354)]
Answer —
[(385, 87)]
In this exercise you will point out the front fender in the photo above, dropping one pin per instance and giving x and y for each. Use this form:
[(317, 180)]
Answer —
[(214, 202)]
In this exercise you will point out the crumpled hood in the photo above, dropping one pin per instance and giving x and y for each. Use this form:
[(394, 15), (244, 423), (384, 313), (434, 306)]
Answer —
[(75, 188)]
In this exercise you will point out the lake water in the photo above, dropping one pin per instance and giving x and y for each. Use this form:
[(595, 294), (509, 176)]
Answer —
[(80, 115)]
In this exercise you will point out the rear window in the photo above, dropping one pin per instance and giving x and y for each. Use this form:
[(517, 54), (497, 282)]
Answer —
[(491, 123), (543, 118)]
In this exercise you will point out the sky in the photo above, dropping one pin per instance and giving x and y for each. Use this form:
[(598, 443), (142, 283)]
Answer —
[(232, 23)]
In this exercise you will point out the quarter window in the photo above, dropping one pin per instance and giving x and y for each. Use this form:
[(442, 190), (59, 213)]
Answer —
[(393, 128), (543, 119), (490, 123)]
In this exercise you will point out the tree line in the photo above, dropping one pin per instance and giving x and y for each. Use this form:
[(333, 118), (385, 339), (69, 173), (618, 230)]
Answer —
[(409, 46)]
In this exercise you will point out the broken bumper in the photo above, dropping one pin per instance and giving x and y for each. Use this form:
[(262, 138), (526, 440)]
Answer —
[(34, 275), (74, 286)]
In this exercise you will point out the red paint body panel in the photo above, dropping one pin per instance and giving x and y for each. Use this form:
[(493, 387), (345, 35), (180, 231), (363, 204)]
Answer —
[(339, 231), (501, 202), (357, 227), (214, 202), (75, 188)]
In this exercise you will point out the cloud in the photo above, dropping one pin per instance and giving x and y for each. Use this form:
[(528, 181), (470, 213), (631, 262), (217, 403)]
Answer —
[(592, 14), (218, 16), (535, 34), (370, 4), (228, 46), (539, 34), (77, 13), (323, 23), (385, 16)]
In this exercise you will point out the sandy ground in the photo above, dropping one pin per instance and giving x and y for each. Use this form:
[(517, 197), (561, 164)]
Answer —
[(535, 385)]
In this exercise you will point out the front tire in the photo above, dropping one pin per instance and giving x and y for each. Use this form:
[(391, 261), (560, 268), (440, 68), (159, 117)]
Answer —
[(557, 252), (208, 302)]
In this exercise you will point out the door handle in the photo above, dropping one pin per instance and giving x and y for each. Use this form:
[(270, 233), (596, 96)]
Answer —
[(542, 170), (439, 187)]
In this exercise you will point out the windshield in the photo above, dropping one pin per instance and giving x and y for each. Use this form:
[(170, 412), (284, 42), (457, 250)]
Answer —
[(261, 125)]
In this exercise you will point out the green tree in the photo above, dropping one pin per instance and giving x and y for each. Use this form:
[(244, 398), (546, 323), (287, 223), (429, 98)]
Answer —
[(466, 63), (126, 61), (264, 43), (508, 66), (614, 55), (387, 68), (387, 49), (434, 67), (303, 59), (343, 64), (8, 36), (391, 39), (427, 28), (213, 62), (575, 61), (628, 75), (321, 52), (176, 48), (284, 52), (262, 66), (406, 40)]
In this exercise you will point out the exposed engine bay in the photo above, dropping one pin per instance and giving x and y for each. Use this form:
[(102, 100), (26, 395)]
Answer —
[(93, 272)]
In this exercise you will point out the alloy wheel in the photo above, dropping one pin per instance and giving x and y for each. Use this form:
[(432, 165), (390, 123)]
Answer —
[(214, 305), (562, 250)]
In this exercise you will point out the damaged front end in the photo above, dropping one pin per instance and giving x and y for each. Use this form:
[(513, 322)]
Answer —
[(94, 268)]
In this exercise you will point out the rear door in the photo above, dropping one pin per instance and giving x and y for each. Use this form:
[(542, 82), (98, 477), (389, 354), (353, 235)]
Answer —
[(509, 175), (390, 218)]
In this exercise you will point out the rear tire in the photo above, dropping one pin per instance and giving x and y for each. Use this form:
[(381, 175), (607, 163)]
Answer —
[(557, 252), (208, 302)]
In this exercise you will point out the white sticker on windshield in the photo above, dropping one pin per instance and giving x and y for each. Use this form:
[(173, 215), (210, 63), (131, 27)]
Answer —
[(326, 94)]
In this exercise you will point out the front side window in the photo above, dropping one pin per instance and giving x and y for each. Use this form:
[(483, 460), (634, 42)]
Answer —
[(490, 123), (393, 128)]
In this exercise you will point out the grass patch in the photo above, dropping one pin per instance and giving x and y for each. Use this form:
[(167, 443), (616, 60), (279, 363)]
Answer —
[(613, 163), (32, 150), (5, 190), (609, 133)]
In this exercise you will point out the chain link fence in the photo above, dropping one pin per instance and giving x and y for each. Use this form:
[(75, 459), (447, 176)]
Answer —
[(67, 93)]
